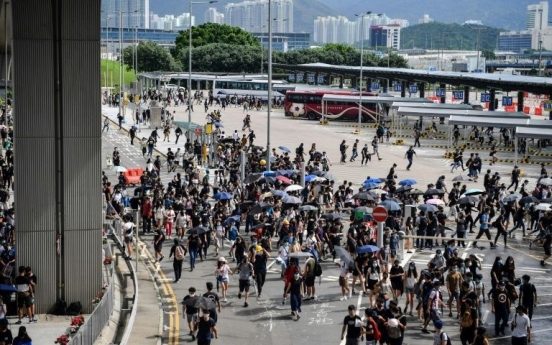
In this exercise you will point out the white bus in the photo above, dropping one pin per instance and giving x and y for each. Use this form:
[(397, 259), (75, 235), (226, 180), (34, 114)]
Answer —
[(250, 87)]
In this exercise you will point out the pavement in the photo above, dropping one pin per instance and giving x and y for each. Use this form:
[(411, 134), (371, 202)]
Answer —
[(267, 320)]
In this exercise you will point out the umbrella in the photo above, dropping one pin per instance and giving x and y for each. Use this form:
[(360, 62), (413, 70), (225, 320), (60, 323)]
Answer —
[(370, 185), (319, 179), (394, 199), (329, 176), (284, 173), (260, 225), (279, 193), (460, 178), (317, 173), (513, 197), (267, 179), (198, 230), (223, 196), (293, 188), (200, 302), (284, 179), (408, 182), (231, 219), (391, 205), (547, 200), (530, 199), (467, 200), (367, 218), (415, 192), (343, 255), (244, 205), (309, 178), (226, 140), (219, 124), (308, 208), (299, 255), (332, 216), (267, 195), (363, 196), (543, 207), (291, 200), (435, 202), (431, 192), (252, 178), (473, 191), (373, 180), (258, 208), (428, 208), (119, 169), (546, 181), (367, 249), (403, 189), (285, 149), (363, 209), (269, 173), (7, 288)]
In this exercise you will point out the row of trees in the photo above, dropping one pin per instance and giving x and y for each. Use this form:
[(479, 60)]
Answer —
[(222, 48)]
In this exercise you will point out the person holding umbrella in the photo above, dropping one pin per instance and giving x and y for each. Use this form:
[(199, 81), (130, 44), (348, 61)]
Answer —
[(190, 311), (295, 290), (193, 245)]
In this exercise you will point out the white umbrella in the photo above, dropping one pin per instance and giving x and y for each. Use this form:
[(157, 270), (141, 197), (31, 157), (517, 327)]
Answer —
[(119, 169), (318, 179), (293, 188), (543, 207), (546, 181)]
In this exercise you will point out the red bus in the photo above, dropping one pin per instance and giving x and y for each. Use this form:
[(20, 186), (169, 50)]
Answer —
[(309, 104)]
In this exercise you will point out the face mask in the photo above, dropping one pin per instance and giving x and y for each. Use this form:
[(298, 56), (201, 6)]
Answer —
[(374, 265), (296, 276), (500, 262), (455, 270), (511, 261), (254, 243), (470, 279), (411, 268), (439, 255)]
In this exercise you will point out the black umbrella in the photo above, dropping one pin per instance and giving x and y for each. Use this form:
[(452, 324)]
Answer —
[(403, 189), (467, 200), (332, 216), (267, 179), (199, 302), (431, 192), (244, 205), (253, 178), (258, 208), (198, 230), (531, 199), (226, 140), (363, 196), (261, 225)]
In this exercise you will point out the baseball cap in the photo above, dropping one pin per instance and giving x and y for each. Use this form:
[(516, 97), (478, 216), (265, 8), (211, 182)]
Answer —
[(438, 324)]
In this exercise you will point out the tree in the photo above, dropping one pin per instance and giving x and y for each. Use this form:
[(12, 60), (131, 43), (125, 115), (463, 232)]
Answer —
[(219, 57), (151, 57), (488, 54), (210, 33)]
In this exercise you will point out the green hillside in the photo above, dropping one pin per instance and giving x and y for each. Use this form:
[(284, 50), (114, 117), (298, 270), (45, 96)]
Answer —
[(449, 36), (114, 78)]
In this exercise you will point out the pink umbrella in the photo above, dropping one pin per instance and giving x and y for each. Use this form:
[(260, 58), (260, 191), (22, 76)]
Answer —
[(435, 202), (284, 179)]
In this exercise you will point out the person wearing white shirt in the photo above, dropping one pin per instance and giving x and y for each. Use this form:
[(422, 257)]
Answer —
[(521, 327), (236, 136), (128, 232), (283, 254)]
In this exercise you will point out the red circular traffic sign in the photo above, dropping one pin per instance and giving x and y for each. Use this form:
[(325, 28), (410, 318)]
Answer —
[(380, 214)]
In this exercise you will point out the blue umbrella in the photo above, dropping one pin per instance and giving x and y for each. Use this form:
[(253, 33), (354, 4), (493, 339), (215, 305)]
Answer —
[(219, 124), (308, 178), (367, 249), (269, 173), (279, 193), (408, 182), (285, 149), (371, 185), (228, 220), (390, 205), (373, 180), (291, 200), (286, 173), (223, 196)]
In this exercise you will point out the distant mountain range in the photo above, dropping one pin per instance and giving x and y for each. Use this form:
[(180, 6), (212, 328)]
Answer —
[(507, 14)]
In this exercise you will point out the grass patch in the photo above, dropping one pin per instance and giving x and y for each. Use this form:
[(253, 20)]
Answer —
[(114, 77)]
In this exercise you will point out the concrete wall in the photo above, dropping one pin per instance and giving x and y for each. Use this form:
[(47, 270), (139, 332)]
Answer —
[(58, 143)]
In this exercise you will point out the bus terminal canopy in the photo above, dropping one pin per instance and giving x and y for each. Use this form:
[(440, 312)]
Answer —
[(534, 133), (368, 99), (433, 105), (487, 121), (422, 112)]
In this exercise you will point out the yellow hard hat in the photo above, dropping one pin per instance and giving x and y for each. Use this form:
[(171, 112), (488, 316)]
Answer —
[(262, 162)]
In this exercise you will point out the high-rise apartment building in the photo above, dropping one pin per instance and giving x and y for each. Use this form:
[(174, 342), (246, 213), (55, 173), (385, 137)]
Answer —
[(213, 16), (171, 22), (129, 13), (253, 15), (385, 36), (537, 16)]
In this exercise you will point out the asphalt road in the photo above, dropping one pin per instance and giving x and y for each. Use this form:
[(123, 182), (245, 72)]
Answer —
[(267, 321)]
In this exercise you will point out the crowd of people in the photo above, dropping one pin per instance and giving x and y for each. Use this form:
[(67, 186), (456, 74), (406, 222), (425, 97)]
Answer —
[(270, 215)]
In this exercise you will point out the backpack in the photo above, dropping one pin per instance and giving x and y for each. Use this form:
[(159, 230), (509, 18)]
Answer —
[(394, 332), (439, 184), (375, 327), (417, 289), (317, 269), (512, 293), (74, 309), (448, 339), (60, 308), (467, 319), (179, 253)]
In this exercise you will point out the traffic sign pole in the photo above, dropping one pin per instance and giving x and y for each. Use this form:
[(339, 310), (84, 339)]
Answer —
[(380, 215), (379, 241)]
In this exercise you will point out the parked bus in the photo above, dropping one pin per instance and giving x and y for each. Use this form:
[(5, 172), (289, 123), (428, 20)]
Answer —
[(309, 104), (249, 87)]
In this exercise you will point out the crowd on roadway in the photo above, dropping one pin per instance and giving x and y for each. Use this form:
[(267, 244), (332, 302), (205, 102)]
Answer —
[(237, 211)]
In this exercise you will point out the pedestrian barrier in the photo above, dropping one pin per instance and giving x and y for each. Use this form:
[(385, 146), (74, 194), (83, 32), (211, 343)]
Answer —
[(398, 142)]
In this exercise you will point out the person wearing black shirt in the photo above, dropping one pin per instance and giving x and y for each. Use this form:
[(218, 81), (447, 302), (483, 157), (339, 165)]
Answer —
[(213, 296), (500, 307), (528, 295), (177, 264), (190, 312), (259, 261), (295, 290), (500, 230), (24, 295), (238, 250), (158, 239), (193, 247), (409, 155), (206, 329), (34, 280), (352, 324), (469, 322), (6, 337)]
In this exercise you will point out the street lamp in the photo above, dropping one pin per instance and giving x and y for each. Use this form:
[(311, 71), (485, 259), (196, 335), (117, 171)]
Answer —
[(262, 46), (361, 63), (190, 61)]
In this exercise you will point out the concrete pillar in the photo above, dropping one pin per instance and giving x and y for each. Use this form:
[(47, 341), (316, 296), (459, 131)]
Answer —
[(492, 102), (295, 76), (403, 88), (386, 84), (316, 78), (341, 81), (421, 88), (444, 98), (58, 139), (520, 101), (466, 95)]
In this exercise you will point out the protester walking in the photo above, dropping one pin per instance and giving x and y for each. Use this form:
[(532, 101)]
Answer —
[(410, 156)]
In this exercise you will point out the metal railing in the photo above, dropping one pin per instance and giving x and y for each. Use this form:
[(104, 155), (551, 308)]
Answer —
[(98, 319)]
